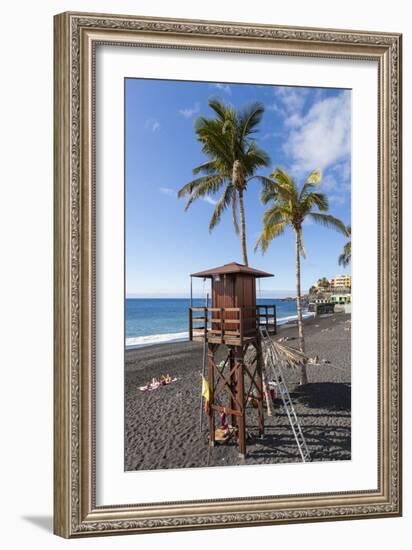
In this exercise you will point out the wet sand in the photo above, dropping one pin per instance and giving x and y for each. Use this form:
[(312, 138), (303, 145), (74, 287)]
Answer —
[(162, 428)]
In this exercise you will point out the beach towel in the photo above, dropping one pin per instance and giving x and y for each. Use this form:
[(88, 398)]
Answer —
[(206, 393)]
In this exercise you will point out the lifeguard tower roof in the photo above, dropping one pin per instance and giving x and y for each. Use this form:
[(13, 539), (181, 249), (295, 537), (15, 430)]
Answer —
[(232, 268)]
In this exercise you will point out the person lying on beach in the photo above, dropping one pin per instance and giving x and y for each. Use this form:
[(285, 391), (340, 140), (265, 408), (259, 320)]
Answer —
[(286, 338), (156, 383)]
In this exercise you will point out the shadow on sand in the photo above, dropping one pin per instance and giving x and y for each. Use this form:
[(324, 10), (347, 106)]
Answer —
[(326, 406), (324, 395), (324, 443)]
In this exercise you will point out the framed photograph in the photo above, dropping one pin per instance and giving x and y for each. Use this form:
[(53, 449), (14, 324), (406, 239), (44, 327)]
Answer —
[(227, 274)]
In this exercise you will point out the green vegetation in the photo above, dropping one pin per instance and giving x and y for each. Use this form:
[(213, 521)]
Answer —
[(233, 159), (346, 256), (289, 206)]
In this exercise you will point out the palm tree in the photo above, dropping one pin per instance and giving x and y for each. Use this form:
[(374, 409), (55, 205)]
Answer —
[(323, 282), (290, 206), (233, 159), (346, 256)]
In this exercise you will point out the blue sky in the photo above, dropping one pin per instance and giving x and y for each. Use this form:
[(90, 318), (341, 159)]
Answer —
[(302, 129)]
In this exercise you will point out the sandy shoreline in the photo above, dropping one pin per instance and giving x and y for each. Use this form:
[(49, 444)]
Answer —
[(161, 339), (162, 427)]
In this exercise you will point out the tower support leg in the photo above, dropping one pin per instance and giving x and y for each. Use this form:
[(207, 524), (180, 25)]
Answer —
[(232, 385), (240, 394), (211, 381)]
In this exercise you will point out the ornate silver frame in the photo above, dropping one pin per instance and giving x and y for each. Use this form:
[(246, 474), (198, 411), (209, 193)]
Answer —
[(75, 510)]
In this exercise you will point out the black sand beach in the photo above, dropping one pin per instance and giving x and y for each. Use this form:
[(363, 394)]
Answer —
[(162, 426)]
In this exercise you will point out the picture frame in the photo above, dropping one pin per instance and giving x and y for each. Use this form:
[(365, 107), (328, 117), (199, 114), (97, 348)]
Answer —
[(76, 36)]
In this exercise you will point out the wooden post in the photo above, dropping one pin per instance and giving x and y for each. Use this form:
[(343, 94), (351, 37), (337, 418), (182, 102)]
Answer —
[(241, 326), (190, 324), (275, 320), (232, 385), (211, 381), (205, 318), (222, 326), (240, 397)]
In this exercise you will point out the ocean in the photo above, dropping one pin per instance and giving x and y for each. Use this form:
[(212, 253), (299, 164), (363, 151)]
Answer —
[(159, 320)]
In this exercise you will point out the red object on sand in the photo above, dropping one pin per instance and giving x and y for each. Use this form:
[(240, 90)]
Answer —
[(224, 421)]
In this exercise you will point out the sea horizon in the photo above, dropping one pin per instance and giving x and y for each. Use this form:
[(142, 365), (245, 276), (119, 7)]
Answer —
[(167, 295), (150, 321)]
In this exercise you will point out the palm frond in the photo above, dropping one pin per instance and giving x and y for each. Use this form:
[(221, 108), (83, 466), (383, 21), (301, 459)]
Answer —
[(254, 158), (209, 167), (320, 200), (269, 232), (314, 177), (311, 183), (275, 214), (221, 205), (345, 258), (329, 221), (250, 118), (272, 190), (288, 206), (284, 180), (205, 186), (211, 180), (218, 107), (292, 358), (232, 157)]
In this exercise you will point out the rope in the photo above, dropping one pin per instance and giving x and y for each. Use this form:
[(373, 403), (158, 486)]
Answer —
[(204, 289)]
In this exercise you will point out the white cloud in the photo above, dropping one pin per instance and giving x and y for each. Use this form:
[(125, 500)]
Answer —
[(190, 111), (173, 193), (293, 121), (168, 191), (223, 87), (289, 100), (209, 200), (276, 109), (321, 138), (152, 124), (337, 178)]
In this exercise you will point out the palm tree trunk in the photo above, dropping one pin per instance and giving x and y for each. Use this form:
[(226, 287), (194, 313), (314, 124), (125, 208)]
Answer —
[(242, 227), (303, 374)]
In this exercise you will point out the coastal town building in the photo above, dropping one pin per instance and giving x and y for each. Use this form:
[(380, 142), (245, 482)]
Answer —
[(321, 298), (341, 298), (341, 281), (333, 292)]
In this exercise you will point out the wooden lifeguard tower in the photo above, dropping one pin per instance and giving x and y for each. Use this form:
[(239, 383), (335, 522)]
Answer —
[(233, 320)]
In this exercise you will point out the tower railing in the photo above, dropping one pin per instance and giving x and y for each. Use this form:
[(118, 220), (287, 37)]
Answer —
[(231, 325)]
